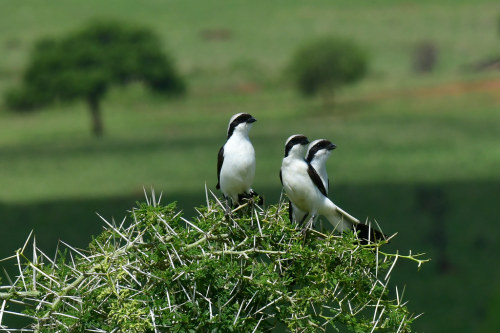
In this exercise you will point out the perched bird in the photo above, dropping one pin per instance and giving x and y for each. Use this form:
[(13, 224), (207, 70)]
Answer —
[(236, 160), (298, 142), (316, 155), (306, 190)]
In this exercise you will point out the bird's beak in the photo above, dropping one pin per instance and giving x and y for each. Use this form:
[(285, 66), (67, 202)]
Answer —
[(251, 120), (331, 146)]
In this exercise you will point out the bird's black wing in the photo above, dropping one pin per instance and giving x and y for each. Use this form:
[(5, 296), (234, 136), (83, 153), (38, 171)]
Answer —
[(316, 179), (281, 178), (220, 160)]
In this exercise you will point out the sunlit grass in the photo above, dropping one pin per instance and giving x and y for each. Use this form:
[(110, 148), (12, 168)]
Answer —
[(173, 145)]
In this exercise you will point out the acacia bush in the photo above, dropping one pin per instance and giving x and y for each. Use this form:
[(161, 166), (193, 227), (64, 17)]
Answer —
[(245, 271), (326, 64), (86, 63)]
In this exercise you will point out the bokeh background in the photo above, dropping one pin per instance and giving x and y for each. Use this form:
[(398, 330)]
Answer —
[(418, 150)]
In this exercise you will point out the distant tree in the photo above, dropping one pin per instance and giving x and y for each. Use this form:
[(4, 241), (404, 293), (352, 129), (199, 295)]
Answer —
[(84, 64), (498, 24), (425, 57), (326, 64)]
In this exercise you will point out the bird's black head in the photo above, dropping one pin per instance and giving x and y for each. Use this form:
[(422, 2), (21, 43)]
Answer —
[(237, 119), (297, 139), (318, 145)]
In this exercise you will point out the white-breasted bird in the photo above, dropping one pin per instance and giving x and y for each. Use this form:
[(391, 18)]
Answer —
[(317, 154), (236, 160), (306, 191), (294, 213)]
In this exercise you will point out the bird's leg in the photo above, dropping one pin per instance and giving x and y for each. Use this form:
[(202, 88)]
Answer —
[(228, 210), (307, 225), (303, 220), (310, 223)]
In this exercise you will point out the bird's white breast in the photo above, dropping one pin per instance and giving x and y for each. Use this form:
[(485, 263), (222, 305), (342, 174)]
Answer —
[(238, 168), (298, 185)]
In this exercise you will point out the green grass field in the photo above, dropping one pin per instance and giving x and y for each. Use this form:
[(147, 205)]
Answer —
[(397, 133)]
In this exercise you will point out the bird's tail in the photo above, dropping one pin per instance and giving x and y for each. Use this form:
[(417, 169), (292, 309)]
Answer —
[(342, 221), (338, 218), (367, 234)]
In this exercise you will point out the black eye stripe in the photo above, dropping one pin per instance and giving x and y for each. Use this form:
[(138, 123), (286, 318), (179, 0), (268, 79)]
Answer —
[(298, 139), (323, 144), (242, 118)]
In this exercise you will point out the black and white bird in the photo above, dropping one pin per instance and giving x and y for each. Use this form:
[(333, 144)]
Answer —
[(236, 160), (317, 154), (298, 142), (306, 190)]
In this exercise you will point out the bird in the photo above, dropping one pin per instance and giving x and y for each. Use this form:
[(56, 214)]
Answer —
[(306, 190), (294, 213), (317, 154), (236, 161)]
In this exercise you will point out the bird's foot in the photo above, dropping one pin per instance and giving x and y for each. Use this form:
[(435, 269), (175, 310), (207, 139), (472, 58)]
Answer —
[(252, 198), (257, 198)]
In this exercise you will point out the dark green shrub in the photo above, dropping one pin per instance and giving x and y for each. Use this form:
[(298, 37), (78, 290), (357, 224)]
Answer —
[(327, 64), (84, 64)]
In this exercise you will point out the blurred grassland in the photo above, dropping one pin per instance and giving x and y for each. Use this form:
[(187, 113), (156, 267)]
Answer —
[(173, 146), (396, 132)]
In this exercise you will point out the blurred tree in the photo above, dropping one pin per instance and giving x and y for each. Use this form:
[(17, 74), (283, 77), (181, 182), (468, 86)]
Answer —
[(424, 57), (498, 24), (83, 65), (326, 64)]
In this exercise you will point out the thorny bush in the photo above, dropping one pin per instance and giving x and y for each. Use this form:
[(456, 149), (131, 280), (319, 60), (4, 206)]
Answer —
[(247, 270)]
